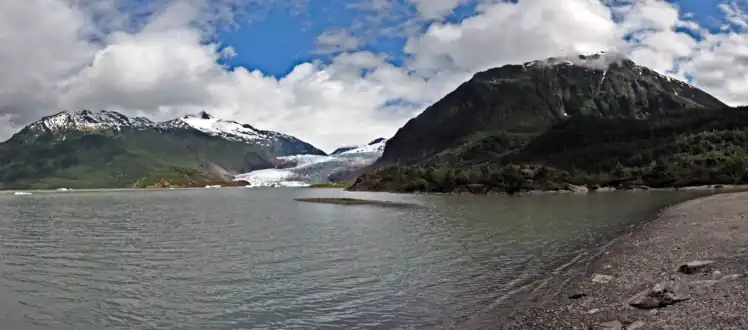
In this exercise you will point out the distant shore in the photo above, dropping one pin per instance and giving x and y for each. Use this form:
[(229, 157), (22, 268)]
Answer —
[(641, 281)]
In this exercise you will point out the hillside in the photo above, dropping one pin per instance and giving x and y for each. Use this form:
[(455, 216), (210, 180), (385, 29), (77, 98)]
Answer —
[(106, 149), (516, 100), (552, 126)]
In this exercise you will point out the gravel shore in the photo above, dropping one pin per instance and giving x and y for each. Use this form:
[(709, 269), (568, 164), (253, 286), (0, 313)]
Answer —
[(640, 282)]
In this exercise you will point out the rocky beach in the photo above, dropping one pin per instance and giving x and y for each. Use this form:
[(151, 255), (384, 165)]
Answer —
[(688, 269)]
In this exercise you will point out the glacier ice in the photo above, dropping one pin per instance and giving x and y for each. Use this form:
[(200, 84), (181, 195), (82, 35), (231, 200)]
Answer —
[(313, 169)]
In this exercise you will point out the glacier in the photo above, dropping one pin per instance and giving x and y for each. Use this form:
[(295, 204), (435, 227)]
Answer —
[(314, 169)]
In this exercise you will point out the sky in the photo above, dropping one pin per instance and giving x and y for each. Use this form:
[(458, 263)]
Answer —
[(333, 72)]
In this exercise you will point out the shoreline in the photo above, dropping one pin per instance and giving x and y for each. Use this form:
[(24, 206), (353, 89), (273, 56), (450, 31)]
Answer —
[(715, 187), (712, 227), (719, 188)]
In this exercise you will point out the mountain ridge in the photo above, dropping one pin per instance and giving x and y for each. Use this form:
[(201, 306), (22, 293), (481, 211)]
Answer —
[(106, 149), (508, 129), (88, 121), (529, 98)]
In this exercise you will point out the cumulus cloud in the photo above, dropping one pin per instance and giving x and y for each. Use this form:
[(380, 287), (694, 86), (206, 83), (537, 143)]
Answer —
[(160, 59)]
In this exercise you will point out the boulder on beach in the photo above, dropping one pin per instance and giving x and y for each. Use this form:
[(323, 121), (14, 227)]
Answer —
[(662, 294)]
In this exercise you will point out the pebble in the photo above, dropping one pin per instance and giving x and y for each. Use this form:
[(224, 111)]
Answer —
[(612, 325), (635, 325), (599, 278)]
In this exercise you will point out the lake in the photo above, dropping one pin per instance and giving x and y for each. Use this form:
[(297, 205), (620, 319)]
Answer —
[(257, 259)]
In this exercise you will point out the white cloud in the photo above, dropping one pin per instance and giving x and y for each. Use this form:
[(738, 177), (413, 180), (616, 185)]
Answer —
[(41, 45), (164, 65), (435, 9), (333, 41)]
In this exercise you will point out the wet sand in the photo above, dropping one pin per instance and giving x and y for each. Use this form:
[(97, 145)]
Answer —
[(713, 228)]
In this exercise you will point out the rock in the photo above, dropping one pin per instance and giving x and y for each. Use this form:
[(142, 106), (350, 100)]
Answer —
[(217, 171), (612, 325), (635, 325), (258, 160), (599, 278), (593, 311), (577, 296), (696, 266), (662, 294), (704, 283), (731, 277), (578, 189), (282, 164)]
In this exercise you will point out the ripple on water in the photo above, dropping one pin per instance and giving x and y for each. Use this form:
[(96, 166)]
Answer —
[(236, 258)]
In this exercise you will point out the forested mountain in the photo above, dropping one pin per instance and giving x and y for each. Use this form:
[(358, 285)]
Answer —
[(548, 125), (106, 149)]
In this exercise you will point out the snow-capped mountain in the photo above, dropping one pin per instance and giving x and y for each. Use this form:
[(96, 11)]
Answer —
[(312, 169), (234, 131), (100, 121), (86, 120)]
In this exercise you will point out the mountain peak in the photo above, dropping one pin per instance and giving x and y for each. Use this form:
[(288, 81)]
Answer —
[(88, 120), (600, 61), (204, 115), (377, 140)]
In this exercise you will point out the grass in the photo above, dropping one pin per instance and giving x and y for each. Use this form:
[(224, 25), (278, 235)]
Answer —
[(349, 201)]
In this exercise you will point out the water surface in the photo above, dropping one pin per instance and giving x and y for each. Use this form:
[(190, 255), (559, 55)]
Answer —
[(257, 259)]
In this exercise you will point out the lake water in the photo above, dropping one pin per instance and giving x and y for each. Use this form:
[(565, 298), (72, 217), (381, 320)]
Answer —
[(257, 259)]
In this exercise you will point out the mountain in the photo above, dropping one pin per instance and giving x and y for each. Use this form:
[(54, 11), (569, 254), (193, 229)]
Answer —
[(302, 170), (529, 98), (379, 142), (275, 143), (106, 149), (596, 120), (342, 150)]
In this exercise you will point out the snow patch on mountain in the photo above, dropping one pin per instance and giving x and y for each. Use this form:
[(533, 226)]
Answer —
[(97, 121), (228, 129), (210, 125), (87, 120), (376, 146)]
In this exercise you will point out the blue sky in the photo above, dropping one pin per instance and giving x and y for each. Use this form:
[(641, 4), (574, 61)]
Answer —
[(281, 39), (151, 57)]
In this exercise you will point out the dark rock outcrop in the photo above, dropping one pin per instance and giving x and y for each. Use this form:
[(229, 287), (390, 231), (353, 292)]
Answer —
[(258, 160), (695, 266)]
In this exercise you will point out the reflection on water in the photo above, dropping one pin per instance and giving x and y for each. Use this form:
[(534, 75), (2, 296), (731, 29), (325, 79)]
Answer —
[(254, 258)]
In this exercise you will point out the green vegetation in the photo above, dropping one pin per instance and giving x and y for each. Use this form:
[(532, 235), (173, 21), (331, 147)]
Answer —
[(350, 201), (503, 108), (556, 127), (176, 177), (106, 160), (687, 149)]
